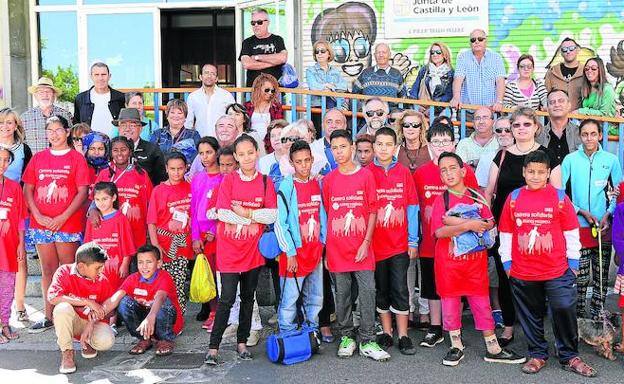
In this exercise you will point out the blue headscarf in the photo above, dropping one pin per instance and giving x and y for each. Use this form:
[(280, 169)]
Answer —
[(98, 163)]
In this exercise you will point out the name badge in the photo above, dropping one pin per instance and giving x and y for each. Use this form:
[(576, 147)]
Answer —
[(180, 217), (140, 292), (209, 194), (4, 214)]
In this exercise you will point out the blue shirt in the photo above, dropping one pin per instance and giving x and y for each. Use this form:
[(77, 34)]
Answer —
[(165, 140), (479, 86), (317, 77)]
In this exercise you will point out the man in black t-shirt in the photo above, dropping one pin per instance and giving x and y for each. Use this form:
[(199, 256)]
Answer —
[(567, 76), (263, 52)]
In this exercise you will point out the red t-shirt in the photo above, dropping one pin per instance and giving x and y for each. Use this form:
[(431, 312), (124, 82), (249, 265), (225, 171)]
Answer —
[(349, 200), (170, 209), (465, 275), (144, 291), (67, 282), (429, 185), (537, 223), (115, 236), (135, 190), (237, 245), (12, 214), (395, 192), (56, 180), (309, 255)]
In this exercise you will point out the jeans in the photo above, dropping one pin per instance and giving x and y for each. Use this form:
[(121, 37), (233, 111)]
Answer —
[(229, 282), (133, 313), (312, 289), (530, 301), (344, 315)]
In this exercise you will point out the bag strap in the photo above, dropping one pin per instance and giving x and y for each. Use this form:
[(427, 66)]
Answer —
[(500, 165), (446, 197), (281, 194), (300, 293)]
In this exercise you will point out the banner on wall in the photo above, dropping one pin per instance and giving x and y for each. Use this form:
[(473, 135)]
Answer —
[(434, 18)]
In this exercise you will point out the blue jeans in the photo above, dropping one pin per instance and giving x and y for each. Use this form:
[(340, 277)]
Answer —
[(312, 290), (134, 313)]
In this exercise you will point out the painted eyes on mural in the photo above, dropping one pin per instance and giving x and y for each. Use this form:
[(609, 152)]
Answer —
[(361, 47), (342, 49)]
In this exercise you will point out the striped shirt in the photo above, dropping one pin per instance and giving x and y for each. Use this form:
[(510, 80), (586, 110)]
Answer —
[(514, 97), (34, 121), (479, 86), (374, 81)]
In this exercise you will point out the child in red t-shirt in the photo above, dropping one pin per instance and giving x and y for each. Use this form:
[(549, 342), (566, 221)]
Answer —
[(540, 250), (169, 222), (12, 251), (148, 304), (463, 275), (77, 293), (350, 200)]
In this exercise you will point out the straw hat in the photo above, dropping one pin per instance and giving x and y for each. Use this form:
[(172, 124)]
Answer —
[(44, 82)]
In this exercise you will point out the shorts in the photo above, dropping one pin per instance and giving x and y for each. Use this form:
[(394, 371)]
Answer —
[(391, 283), (492, 272), (45, 236), (427, 279)]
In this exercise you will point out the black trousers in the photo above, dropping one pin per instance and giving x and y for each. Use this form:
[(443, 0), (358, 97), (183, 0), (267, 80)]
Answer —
[(329, 306), (390, 280), (504, 289), (273, 266), (530, 301), (229, 281)]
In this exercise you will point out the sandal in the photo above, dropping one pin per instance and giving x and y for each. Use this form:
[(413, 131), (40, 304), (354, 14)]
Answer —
[(619, 347), (580, 367), (164, 347), (3, 339), (22, 316), (141, 347), (533, 366), (8, 333)]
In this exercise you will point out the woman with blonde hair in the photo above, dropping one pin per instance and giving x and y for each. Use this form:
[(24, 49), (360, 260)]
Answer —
[(264, 107), (435, 79), (413, 151)]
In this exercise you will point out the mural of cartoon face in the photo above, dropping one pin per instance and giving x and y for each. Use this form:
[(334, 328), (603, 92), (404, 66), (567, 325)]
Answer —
[(352, 52)]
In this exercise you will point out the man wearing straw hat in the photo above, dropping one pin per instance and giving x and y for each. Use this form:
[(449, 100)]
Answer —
[(34, 119)]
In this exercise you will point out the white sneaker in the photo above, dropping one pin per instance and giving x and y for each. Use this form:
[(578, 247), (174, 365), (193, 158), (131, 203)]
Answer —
[(253, 339), (347, 347), (230, 331), (372, 350)]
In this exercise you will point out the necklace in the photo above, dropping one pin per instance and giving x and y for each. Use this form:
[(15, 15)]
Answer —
[(525, 152), (412, 160)]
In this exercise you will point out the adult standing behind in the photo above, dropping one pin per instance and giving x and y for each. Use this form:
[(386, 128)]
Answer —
[(525, 91), (333, 120), (506, 174), (381, 79), (568, 75), (263, 108), (435, 79), (135, 100), (323, 77), (479, 75), (481, 141), (502, 132), (208, 103), (375, 115), (598, 95), (413, 152), (34, 119), (175, 135), (263, 52), (560, 135), (100, 104), (148, 155), (274, 131)]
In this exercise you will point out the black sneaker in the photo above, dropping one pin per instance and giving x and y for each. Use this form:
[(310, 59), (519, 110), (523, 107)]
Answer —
[(431, 339), (385, 341), (505, 356), (406, 346), (212, 360), (453, 357), (41, 326)]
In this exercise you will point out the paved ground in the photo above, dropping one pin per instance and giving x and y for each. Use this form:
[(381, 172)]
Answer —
[(34, 359)]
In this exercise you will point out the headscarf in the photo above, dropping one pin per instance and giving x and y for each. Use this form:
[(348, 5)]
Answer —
[(98, 163)]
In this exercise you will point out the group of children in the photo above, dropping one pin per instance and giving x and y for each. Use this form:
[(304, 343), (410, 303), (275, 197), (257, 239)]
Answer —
[(363, 224)]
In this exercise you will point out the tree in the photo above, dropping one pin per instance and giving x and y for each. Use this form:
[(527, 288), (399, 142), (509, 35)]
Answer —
[(66, 79)]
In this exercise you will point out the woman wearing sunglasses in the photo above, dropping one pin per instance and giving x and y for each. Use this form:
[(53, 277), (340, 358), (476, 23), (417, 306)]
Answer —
[(323, 77), (413, 151), (435, 79), (597, 94), (264, 107), (525, 91)]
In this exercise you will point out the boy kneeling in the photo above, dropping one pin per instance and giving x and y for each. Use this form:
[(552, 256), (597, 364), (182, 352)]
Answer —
[(77, 292), (148, 304), (464, 274)]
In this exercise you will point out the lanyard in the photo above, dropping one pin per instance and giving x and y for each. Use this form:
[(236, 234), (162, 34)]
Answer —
[(478, 199), (120, 175)]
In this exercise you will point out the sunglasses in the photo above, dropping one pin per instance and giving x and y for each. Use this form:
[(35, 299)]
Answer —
[(500, 130), (435, 52), (269, 90), (525, 66), (475, 39), (525, 125), (257, 22), (77, 139), (378, 112), (391, 120), (593, 68), (413, 125), (320, 50), (292, 139), (568, 49)]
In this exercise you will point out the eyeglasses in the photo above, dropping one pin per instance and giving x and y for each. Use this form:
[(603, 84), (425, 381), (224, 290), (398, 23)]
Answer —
[(482, 118), (412, 125), (435, 52), (391, 120), (475, 39), (269, 90), (500, 130), (257, 22), (292, 139), (378, 113), (441, 143), (568, 49), (57, 131), (320, 50), (526, 124), (593, 68), (525, 66)]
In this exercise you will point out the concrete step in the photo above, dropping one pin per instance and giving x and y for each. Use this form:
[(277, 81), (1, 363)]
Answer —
[(33, 286)]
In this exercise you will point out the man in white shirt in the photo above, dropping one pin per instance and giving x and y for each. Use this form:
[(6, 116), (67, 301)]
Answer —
[(481, 141), (208, 103)]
